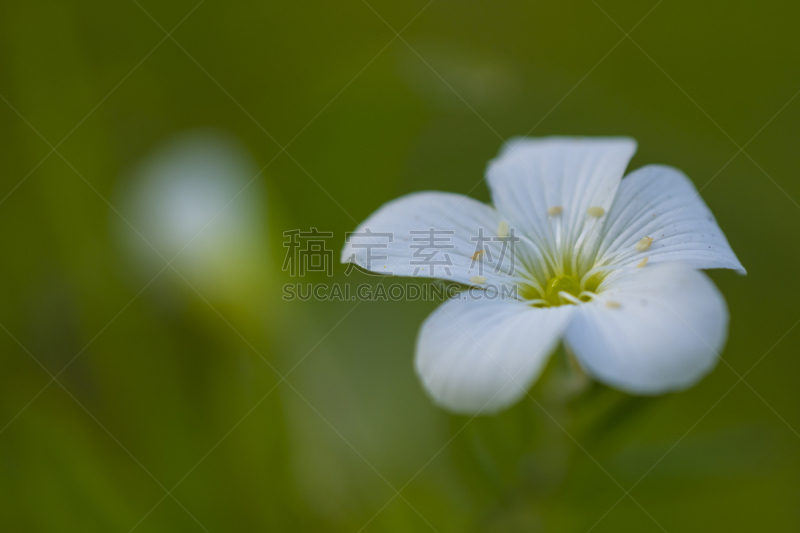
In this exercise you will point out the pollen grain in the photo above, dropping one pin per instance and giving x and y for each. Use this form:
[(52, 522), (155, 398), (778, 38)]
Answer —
[(502, 229), (644, 244)]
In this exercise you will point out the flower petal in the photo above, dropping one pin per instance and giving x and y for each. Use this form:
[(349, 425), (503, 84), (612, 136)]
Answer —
[(450, 254), (480, 355), (661, 203), (652, 330), (532, 179)]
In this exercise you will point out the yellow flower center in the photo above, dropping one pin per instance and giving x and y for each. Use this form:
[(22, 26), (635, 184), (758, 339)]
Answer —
[(561, 290), (570, 285)]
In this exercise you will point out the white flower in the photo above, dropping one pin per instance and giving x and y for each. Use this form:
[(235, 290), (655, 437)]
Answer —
[(177, 198), (608, 265)]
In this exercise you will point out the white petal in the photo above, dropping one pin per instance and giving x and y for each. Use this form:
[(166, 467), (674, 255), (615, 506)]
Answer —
[(660, 202), (460, 218), (482, 355), (569, 176), (656, 329)]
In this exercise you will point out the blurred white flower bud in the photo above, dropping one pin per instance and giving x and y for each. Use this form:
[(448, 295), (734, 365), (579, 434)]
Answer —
[(197, 200)]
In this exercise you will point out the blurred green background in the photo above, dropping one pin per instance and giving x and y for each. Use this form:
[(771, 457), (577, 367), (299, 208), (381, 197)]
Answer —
[(164, 379)]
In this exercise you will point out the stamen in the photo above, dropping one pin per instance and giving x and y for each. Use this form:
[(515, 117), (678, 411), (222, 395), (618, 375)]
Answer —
[(555, 210), (502, 229), (477, 254), (644, 244), (555, 238), (543, 253), (570, 298), (643, 262), (594, 296), (478, 279), (535, 286), (538, 301), (588, 230), (588, 234), (595, 270)]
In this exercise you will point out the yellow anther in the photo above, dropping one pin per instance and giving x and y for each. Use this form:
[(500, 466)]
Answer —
[(644, 244), (596, 211), (643, 262), (613, 305), (502, 229), (555, 210), (480, 280)]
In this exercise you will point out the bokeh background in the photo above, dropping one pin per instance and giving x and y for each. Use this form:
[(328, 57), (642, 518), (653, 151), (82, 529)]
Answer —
[(140, 391)]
